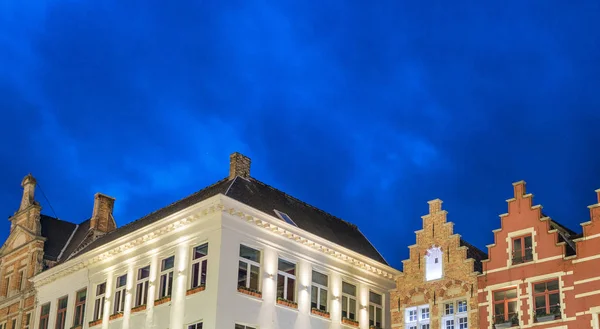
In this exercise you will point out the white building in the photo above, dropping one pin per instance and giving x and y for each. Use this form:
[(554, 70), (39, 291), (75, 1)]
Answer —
[(238, 254)]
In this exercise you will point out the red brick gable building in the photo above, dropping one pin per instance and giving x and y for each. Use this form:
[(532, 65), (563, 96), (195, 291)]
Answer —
[(539, 273)]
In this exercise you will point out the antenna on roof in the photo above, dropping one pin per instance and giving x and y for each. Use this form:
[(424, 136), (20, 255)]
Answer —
[(49, 204)]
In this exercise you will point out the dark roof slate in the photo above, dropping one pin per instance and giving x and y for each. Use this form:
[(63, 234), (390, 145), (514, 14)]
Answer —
[(57, 233), (266, 199), (475, 253)]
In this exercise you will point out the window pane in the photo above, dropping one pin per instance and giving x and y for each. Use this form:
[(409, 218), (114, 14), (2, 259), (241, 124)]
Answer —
[(540, 301), (323, 300), (552, 285), (249, 253), (313, 296), (348, 289), (201, 251), (287, 267), (499, 295), (319, 278), (352, 309), (168, 263), (510, 294), (498, 309), (512, 307), (527, 242), (254, 275), (280, 286), (539, 287), (101, 289), (344, 306), (81, 295), (554, 299), (62, 303), (121, 281), (375, 298), (143, 272), (517, 245), (291, 288), (242, 274)]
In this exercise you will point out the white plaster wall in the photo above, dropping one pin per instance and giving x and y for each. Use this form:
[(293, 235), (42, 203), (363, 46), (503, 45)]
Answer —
[(220, 305)]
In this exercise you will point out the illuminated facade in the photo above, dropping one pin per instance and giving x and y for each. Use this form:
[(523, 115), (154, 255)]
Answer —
[(438, 288), (238, 254)]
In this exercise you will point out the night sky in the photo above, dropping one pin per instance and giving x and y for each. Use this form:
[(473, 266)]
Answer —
[(366, 109)]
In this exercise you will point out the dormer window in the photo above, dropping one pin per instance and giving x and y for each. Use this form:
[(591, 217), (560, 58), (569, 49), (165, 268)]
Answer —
[(433, 264), (283, 216)]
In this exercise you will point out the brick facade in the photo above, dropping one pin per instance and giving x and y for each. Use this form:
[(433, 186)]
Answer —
[(458, 282), (539, 273)]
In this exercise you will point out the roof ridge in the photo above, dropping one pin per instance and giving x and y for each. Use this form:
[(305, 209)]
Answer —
[(354, 226), (167, 206)]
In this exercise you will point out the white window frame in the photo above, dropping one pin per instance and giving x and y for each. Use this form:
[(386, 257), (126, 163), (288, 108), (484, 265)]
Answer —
[(198, 262), (99, 302), (21, 279), (420, 322), (27, 321), (195, 325), (348, 299), (434, 271), (243, 326), (3, 325), (166, 273), (286, 278), (456, 315), (249, 263), (119, 295), (375, 307), (141, 287), (320, 290)]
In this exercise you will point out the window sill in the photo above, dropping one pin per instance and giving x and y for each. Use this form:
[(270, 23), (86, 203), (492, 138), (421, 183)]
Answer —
[(195, 290), (536, 324), (94, 323), (138, 308), (349, 322), (162, 300), (321, 314), (287, 303), (255, 294), (115, 316)]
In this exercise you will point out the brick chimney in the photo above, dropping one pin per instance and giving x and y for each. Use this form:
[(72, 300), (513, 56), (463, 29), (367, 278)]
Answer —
[(28, 185), (239, 165), (102, 218)]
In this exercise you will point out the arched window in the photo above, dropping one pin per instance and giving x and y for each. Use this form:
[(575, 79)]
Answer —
[(433, 264)]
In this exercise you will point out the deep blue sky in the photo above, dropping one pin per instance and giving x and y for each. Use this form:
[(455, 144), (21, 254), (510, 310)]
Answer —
[(366, 109)]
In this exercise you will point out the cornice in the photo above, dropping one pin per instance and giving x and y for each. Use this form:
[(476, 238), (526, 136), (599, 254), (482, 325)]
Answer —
[(302, 239), (81, 262)]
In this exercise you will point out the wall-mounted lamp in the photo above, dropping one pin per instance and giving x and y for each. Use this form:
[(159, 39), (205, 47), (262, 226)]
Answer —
[(306, 288), (270, 276), (363, 307), (336, 297)]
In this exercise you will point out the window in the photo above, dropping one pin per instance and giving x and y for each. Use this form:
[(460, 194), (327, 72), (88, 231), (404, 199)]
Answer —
[(120, 294), (417, 317), (375, 310), (348, 301), (285, 217), (240, 326), (195, 326), (13, 324), (547, 299), (79, 307), (27, 321), (505, 306), (199, 265), (3, 325), (433, 264), (522, 250), (21, 282), (61, 313), (141, 290), (99, 303), (455, 315), (249, 268), (318, 295), (286, 280), (166, 277), (7, 285), (44, 314)]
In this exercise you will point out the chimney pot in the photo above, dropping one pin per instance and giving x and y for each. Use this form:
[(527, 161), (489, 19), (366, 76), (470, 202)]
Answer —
[(239, 165), (102, 219)]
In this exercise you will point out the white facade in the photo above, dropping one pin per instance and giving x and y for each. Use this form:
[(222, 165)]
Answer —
[(224, 224)]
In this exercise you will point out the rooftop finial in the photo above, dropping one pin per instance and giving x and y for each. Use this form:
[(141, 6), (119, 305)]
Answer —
[(28, 185)]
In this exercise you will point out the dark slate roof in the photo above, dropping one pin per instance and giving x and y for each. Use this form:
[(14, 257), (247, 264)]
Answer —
[(80, 234), (57, 233), (565, 235), (477, 254), (266, 199)]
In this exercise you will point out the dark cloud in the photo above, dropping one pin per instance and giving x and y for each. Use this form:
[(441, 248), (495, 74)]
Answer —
[(366, 111)]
